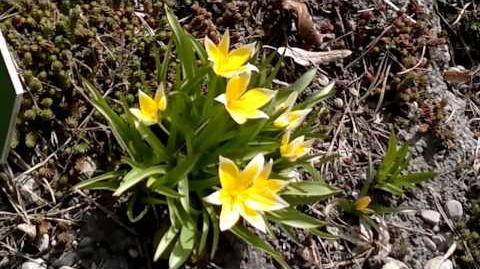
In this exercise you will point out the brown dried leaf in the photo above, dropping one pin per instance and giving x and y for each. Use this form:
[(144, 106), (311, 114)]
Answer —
[(457, 74), (305, 25)]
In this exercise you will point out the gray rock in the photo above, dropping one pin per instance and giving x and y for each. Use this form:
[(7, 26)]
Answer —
[(394, 264), (28, 229), (439, 263), (430, 216), (34, 264), (454, 209)]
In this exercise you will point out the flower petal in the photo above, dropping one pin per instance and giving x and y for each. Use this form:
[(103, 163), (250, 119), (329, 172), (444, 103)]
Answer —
[(255, 98), (264, 200), (229, 174), (224, 43), (229, 215), (362, 203), (222, 98), (160, 98), (282, 120), (148, 106), (273, 185), (253, 217), (213, 52), (253, 169), (240, 115), (238, 57), (146, 119), (236, 86), (214, 198)]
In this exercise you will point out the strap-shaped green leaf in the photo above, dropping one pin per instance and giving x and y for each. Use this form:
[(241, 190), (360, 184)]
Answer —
[(95, 181), (304, 81), (136, 175), (131, 207), (183, 248), (202, 243), (294, 218), (243, 233), (307, 192), (215, 229), (167, 239)]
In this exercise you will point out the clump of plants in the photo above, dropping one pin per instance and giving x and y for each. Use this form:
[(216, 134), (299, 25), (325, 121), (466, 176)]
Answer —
[(54, 42), (214, 149)]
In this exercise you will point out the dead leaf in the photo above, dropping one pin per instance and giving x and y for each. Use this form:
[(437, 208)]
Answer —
[(457, 74), (307, 58), (305, 25)]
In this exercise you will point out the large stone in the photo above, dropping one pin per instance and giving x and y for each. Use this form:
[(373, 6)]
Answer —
[(454, 209), (34, 264), (430, 216)]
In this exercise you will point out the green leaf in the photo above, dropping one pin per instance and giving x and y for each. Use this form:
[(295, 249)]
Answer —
[(94, 182), (318, 97), (166, 191), (183, 248), (412, 179), (216, 230), (167, 239), (307, 191), (243, 233), (184, 46), (304, 81), (136, 175), (130, 209), (323, 235), (294, 218), (202, 245)]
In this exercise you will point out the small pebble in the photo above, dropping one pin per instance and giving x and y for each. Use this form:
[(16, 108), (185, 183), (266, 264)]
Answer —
[(28, 229), (430, 216), (338, 102), (439, 263), (454, 209), (34, 264), (394, 264)]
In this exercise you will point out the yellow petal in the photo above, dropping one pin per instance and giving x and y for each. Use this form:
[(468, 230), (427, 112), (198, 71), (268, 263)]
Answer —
[(146, 119), (265, 173), (273, 185), (224, 45), (148, 107), (240, 115), (289, 102), (264, 200), (281, 121), (239, 57), (160, 98), (236, 86), (362, 203), (213, 52), (252, 170), (229, 174), (256, 98), (253, 217), (229, 214), (215, 198)]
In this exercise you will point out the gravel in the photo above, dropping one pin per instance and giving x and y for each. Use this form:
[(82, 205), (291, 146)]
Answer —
[(432, 217)]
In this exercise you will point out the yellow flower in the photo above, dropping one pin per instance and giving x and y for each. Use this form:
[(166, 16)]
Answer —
[(291, 119), (150, 108), (295, 149), (362, 204), (229, 63), (242, 104), (246, 193)]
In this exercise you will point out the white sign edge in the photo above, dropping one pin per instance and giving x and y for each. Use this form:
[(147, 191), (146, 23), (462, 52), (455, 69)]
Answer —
[(17, 85)]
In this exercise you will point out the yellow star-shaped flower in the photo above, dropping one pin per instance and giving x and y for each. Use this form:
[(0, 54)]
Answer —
[(295, 149), (246, 193), (229, 63), (243, 104), (150, 108), (291, 119)]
